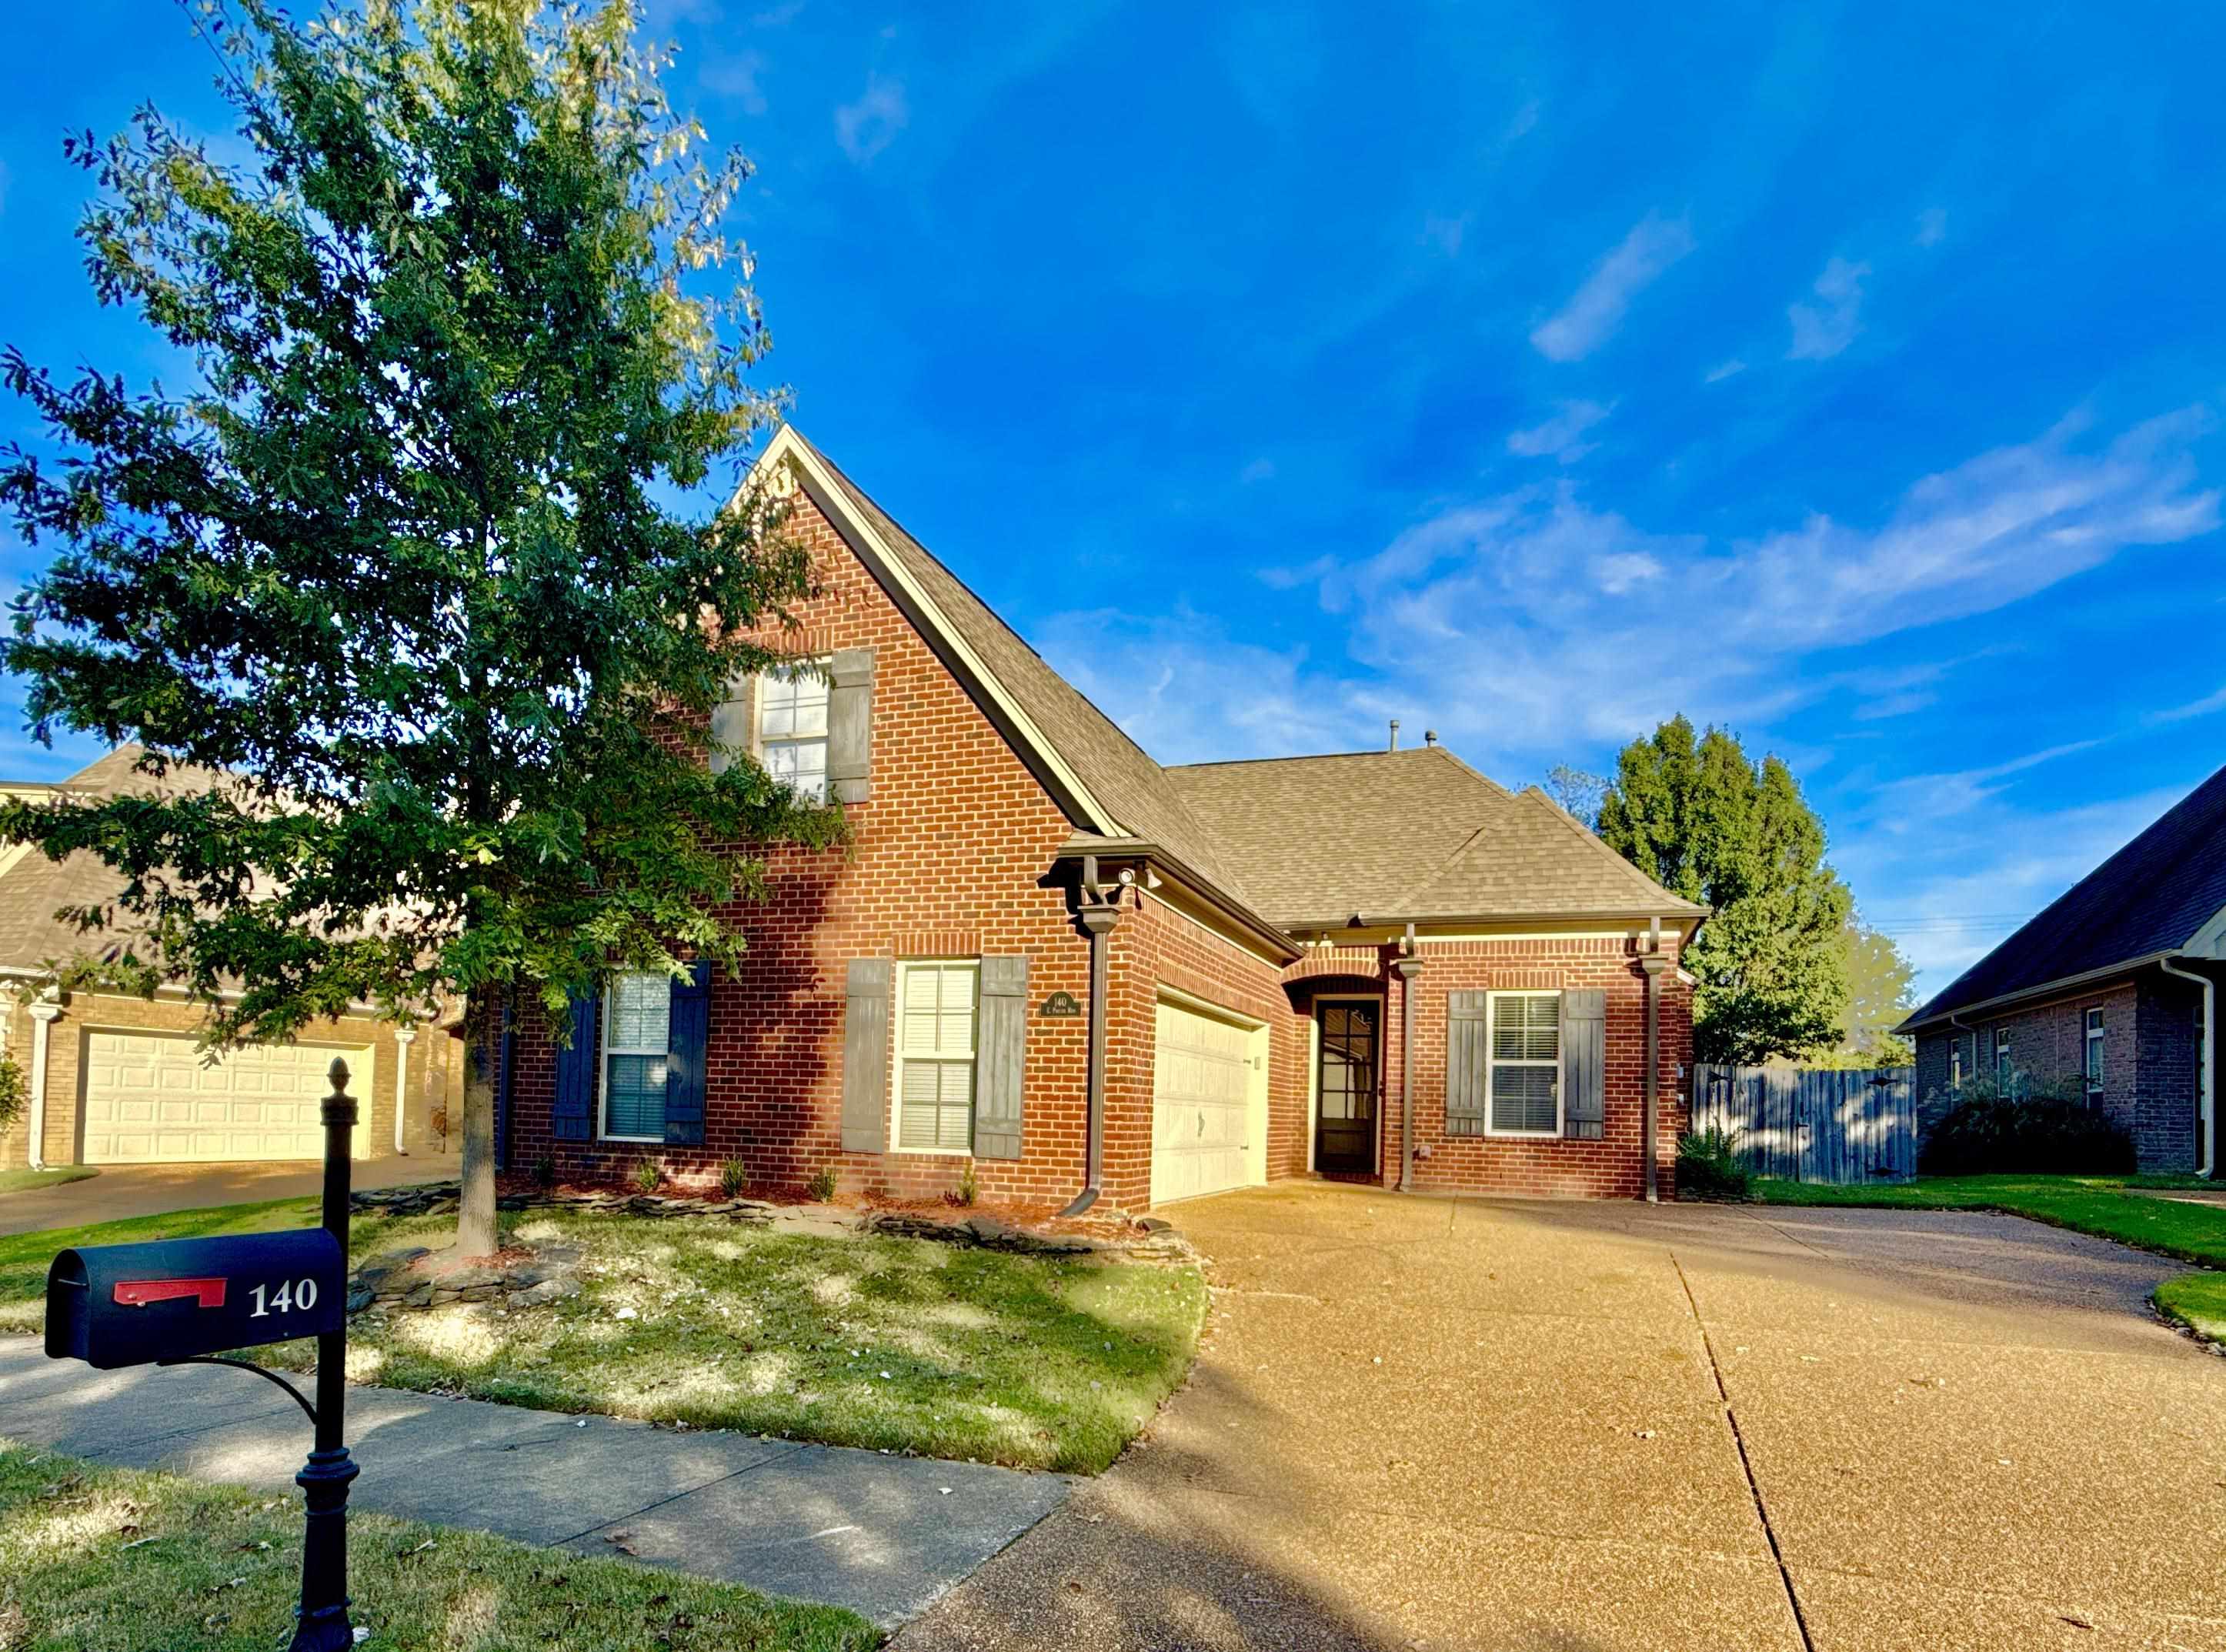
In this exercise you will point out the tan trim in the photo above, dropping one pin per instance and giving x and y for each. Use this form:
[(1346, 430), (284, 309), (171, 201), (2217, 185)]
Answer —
[(2040, 995), (786, 447), (1547, 929)]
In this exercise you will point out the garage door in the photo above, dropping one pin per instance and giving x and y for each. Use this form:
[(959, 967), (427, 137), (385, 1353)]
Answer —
[(150, 1100), (1207, 1080)]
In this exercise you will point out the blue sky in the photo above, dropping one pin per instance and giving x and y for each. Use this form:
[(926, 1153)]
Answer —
[(1849, 376)]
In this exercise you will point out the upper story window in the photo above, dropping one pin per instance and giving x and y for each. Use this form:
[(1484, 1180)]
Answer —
[(2094, 1056), (1526, 1064), (936, 1021), (792, 726), (637, 1035)]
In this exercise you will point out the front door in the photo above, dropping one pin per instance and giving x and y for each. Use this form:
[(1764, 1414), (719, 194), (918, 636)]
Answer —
[(1344, 1084)]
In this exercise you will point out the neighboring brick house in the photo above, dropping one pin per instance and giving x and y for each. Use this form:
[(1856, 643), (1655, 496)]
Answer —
[(119, 1080), (1047, 957), (2109, 993)]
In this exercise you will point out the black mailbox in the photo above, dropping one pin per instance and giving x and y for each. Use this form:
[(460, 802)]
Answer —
[(132, 1304)]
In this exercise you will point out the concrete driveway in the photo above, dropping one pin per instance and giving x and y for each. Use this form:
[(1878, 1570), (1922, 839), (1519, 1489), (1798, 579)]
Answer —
[(1573, 1427), (157, 1190)]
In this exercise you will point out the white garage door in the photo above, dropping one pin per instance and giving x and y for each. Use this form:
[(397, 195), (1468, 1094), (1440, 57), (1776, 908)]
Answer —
[(1208, 1105), (150, 1100)]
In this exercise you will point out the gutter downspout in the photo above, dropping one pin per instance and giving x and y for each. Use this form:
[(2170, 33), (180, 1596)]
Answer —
[(1407, 967), (1099, 913), (42, 1019), (2209, 1116), (1654, 964), (403, 1036)]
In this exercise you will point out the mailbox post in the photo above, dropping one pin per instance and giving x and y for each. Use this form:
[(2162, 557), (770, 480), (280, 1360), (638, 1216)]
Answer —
[(193, 1301), (323, 1626)]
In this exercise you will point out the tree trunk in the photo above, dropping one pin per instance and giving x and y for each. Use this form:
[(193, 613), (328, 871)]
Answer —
[(475, 1235)]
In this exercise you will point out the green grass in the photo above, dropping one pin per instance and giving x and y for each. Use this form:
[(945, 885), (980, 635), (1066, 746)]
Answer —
[(96, 1560), (2105, 1206), (892, 1344), (23, 1181)]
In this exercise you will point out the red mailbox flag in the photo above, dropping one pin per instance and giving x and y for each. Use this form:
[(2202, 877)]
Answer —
[(138, 1292)]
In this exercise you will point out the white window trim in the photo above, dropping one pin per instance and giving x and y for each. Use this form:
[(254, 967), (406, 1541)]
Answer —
[(2003, 1059), (2092, 1056), (1493, 1064), (603, 1054), (820, 666), (905, 966)]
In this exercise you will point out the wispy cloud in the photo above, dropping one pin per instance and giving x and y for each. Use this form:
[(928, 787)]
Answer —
[(1444, 232), (1597, 308), (1722, 370), (1561, 437), (1259, 470), (736, 77), (867, 127), (1826, 328), (1931, 227), (2202, 707)]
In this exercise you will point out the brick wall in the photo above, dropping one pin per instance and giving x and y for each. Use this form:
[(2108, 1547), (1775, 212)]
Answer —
[(82, 1013), (948, 858), (2167, 1090)]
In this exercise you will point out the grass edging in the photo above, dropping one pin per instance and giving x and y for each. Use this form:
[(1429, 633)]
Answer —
[(118, 1559), (30, 1181), (2102, 1207)]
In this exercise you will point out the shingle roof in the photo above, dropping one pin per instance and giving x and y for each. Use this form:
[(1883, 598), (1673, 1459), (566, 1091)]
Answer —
[(2151, 897), (33, 888), (1119, 773), (1395, 836)]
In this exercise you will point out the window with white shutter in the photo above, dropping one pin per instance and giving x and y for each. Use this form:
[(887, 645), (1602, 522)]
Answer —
[(1526, 1064), (936, 1022)]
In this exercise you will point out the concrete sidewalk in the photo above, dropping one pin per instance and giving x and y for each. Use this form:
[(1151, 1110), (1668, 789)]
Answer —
[(882, 1535)]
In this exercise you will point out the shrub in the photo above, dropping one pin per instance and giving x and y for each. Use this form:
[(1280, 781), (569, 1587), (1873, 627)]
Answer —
[(1711, 1166), (821, 1186), (544, 1172), (647, 1175), (13, 1097), (733, 1177), (969, 1189), (1988, 1134)]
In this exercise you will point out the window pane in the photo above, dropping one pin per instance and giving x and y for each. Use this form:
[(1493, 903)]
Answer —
[(801, 764), (634, 1100), (936, 1108), (1526, 1028), (641, 1012), (939, 1010), (1522, 1097)]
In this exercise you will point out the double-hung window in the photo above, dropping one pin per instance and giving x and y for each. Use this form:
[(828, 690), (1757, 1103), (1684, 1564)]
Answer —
[(1954, 1061), (636, 1036), (2005, 1069), (2094, 1058), (792, 726), (1526, 1064), (936, 1022)]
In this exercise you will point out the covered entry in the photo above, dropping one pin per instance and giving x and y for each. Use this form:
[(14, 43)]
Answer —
[(149, 1100), (1348, 1037), (1209, 1100)]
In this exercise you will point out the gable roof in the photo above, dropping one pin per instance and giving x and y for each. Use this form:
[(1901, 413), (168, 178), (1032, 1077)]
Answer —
[(33, 888), (1123, 792), (2153, 897), (1398, 837)]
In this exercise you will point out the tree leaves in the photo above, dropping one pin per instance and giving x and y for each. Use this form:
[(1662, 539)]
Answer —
[(402, 571)]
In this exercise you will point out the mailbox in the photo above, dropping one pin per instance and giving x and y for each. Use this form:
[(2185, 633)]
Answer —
[(132, 1304)]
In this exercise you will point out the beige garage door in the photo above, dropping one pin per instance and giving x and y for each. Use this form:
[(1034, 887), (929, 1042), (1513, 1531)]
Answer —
[(1208, 1104), (150, 1100)]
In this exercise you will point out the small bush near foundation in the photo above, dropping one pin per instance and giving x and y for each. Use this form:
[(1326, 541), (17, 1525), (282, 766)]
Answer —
[(1711, 1166), (544, 1172), (647, 1176), (821, 1186), (13, 1096), (969, 1189), (1988, 1134), (733, 1177)]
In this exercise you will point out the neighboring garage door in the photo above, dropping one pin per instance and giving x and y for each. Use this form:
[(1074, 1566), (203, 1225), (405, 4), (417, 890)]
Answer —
[(1209, 1094), (150, 1100)]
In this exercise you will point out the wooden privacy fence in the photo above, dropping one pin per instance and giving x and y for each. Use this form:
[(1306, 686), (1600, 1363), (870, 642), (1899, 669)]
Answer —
[(1822, 1125)]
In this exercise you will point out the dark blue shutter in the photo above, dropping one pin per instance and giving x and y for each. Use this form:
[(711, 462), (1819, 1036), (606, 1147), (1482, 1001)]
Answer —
[(685, 1058), (572, 1116)]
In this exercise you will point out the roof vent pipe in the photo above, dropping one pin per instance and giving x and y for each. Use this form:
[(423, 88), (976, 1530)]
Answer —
[(1395, 736), (1429, 737)]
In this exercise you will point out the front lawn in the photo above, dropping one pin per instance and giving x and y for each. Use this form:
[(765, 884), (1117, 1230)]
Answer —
[(900, 1345), (25, 1181), (2110, 1207), (96, 1560)]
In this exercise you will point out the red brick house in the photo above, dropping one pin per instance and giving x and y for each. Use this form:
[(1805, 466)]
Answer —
[(1045, 955)]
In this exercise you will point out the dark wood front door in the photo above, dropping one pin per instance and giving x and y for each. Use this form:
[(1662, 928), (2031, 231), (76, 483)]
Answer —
[(1345, 1084)]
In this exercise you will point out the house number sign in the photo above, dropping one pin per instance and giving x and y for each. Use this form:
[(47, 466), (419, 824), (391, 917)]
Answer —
[(1058, 1006)]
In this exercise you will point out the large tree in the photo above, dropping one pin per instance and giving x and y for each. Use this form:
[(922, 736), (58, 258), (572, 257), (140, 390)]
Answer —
[(427, 557), (1705, 821), (1881, 992)]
